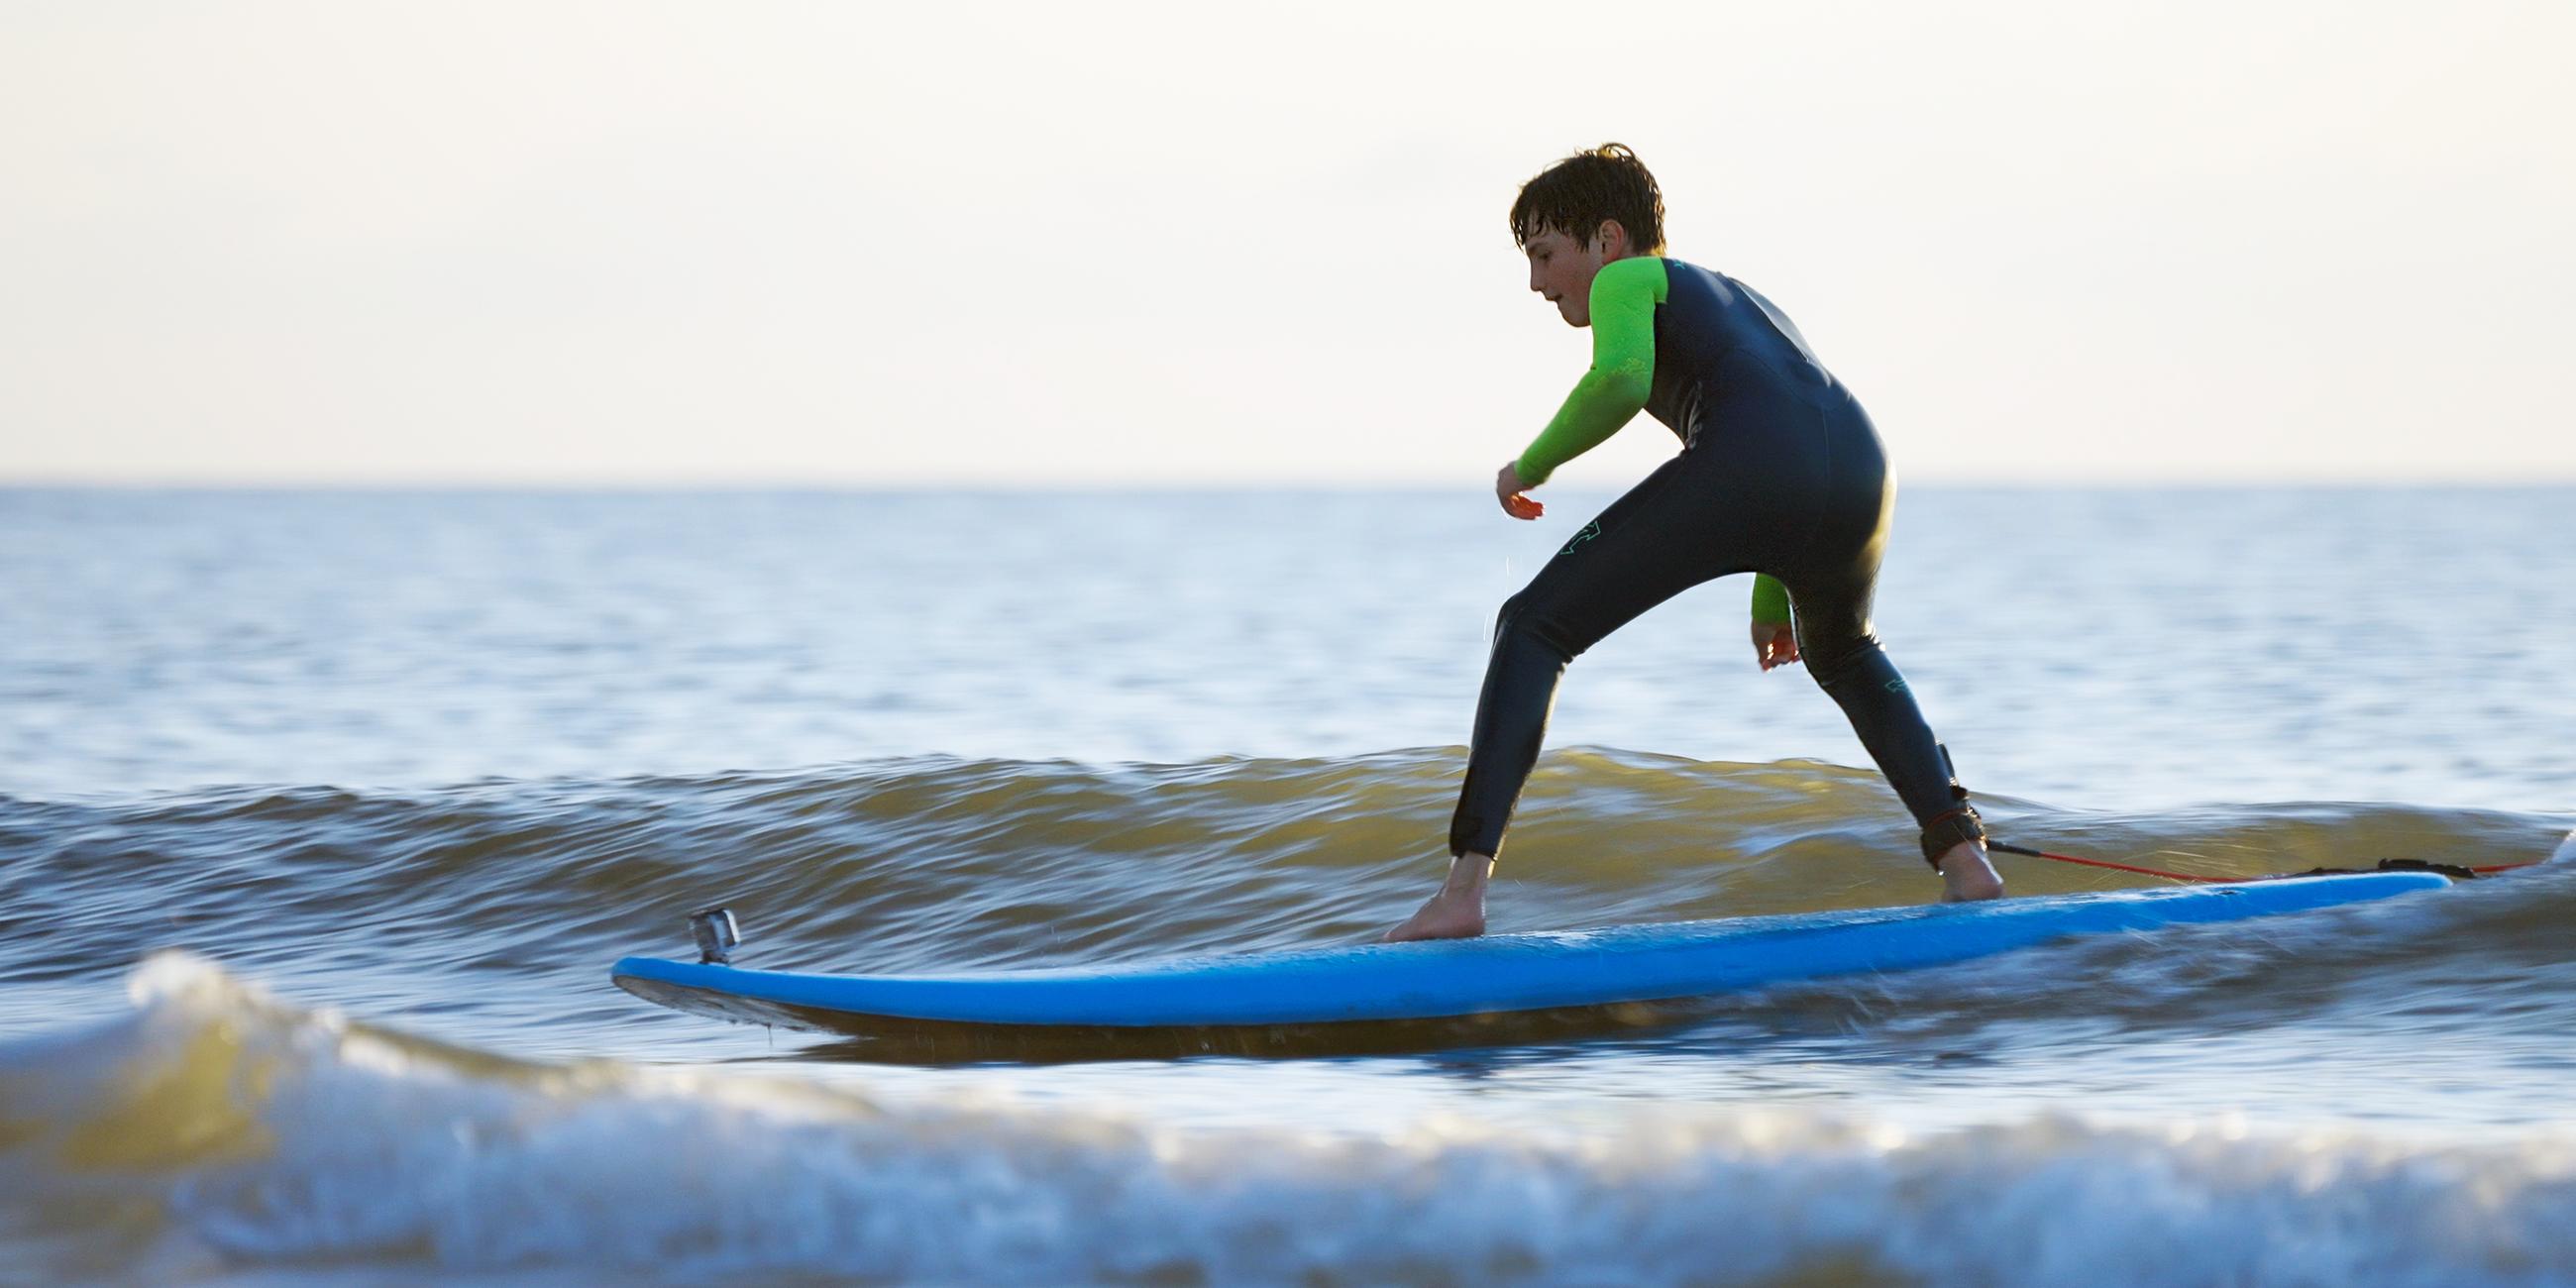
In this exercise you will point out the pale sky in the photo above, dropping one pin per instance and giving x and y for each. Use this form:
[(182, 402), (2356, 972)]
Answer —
[(550, 242)]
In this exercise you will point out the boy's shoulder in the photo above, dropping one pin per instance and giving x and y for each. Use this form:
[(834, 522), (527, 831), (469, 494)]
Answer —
[(1635, 273)]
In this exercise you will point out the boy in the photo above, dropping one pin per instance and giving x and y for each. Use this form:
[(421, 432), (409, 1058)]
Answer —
[(1780, 473)]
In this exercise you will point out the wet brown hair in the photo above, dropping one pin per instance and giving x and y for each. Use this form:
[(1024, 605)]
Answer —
[(1576, 194)]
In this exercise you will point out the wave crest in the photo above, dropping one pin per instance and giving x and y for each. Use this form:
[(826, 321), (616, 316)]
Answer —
[(939, 863)]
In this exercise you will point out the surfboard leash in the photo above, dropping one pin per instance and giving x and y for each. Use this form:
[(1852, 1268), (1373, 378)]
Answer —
[(2455, 871)]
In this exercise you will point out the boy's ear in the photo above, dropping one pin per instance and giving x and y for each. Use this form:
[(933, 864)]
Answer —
[(1609, 228)]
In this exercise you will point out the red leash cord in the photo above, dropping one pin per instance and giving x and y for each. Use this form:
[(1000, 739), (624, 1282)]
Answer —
[(2001, 848)]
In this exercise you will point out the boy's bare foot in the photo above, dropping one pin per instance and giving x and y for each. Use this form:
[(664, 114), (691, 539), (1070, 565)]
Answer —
[(1966, 876), (1458, 910)]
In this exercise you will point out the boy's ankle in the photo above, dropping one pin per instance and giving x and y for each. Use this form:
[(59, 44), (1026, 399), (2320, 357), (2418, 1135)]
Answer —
[(1468, 871)]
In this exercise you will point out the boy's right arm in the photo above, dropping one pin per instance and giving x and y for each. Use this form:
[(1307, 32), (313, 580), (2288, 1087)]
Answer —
[(1770, 600)]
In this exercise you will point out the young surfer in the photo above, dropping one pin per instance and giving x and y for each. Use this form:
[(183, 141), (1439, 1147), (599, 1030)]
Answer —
[(1780, 474)]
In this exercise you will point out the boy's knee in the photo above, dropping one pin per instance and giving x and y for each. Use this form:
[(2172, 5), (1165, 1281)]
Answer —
[(1837, 658), (1526, 616)]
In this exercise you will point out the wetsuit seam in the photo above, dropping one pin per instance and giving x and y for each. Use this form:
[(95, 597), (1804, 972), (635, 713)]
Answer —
[(1696, 394)]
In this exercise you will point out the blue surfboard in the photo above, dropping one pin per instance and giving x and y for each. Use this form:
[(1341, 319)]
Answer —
[(1542, 971)]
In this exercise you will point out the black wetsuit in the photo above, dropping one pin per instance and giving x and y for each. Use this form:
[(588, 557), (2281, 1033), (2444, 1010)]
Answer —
[(1780, 472)]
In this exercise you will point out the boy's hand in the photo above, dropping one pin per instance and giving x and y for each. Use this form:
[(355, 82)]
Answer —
[(1774, 644), (1508, 489)]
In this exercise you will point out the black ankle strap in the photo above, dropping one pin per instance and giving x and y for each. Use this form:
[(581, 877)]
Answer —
[(1947, 830)]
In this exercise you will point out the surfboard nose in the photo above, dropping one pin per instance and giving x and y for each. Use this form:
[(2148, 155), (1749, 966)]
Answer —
[(2566, 850)]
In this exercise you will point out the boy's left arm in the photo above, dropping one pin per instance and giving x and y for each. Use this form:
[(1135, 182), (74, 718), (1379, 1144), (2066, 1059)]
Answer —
[(1624, 295)]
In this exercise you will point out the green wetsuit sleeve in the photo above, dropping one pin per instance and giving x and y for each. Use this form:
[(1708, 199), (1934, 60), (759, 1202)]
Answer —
[(1770, 599), (1624, 295)]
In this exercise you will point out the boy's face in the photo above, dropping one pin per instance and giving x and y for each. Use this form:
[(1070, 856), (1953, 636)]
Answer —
[(1562, 268)]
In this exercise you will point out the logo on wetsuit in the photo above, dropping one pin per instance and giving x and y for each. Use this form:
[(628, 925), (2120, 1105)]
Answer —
[(1590, 530)]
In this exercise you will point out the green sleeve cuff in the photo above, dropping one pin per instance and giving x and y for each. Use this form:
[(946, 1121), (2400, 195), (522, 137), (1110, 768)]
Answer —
[(1624, 295), (1770, 600)]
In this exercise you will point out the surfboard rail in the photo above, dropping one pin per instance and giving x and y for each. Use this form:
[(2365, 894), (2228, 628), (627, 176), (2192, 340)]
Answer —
[(1533, 971)]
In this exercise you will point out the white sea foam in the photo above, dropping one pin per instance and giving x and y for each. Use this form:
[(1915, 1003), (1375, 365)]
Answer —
[(375, 1149)]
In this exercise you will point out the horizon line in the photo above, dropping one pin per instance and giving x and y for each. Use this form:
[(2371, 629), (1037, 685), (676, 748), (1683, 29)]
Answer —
[(1109, 486)]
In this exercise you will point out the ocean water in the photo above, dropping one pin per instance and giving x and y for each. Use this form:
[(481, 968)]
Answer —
[(323, 815)]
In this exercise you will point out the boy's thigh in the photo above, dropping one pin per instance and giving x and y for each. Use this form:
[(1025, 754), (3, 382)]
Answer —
[(1669, 533)]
